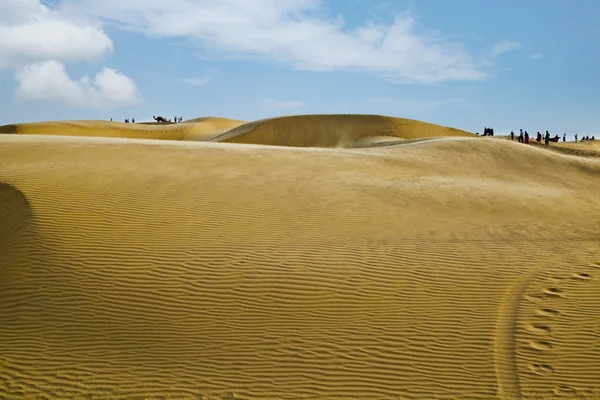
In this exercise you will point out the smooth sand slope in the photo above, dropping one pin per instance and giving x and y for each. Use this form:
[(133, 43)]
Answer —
[(342, 130), (197, 129), (453, 268)]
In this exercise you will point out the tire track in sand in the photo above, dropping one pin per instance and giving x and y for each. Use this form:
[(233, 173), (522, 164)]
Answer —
[(505, 351)]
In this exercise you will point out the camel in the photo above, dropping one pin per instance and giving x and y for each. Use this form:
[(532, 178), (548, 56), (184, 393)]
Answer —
[(159, 119)]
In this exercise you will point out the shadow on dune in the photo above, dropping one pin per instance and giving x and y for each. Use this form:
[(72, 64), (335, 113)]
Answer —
[(15, 213), (8, 129)]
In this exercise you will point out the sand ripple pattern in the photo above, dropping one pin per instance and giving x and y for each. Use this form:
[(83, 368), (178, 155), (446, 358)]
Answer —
[(223, 271)]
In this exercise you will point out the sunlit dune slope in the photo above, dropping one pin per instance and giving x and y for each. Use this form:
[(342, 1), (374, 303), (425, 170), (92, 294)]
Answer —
[(199, 129), (331, 130), (223, 122), (450, 268), (586, 148)]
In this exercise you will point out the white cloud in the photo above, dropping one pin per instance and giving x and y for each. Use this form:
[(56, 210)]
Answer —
[(297, 33), (30, 32), (198, 81), (36, 41), (49, 81), (536, 56), (275, 105), (503, 46)]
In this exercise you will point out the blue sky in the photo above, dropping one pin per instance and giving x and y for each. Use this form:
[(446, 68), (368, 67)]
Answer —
[(464, 63)]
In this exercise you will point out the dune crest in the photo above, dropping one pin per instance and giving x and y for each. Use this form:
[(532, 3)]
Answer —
[(332, 130)]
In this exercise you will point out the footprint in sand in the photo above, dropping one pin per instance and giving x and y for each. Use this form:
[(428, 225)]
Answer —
[(542, 329), (564, 390), (547, 312), (582, 276), (539, 329), (540, 345), (541, 369), (553, 292)]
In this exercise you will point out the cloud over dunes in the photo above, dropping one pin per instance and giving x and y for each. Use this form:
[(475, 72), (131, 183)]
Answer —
[(503, 46), (298, 33), (35, 44), (30, 32), (49, 81)]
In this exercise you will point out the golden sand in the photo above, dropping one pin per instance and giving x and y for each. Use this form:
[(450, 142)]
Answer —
[(195, 130), (447, 268), (332, 130)]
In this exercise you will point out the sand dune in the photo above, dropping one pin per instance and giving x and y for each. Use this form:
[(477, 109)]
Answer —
[(452, 268), (590, 148), (332, 130), (196, 130)]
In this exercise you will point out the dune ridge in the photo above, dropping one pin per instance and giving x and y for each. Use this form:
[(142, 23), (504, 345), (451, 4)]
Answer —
[(420, 271), (195, 130), (331, 130)]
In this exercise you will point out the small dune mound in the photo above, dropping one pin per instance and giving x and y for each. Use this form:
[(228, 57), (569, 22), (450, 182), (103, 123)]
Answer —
[(342, 130), (206, 127), (196, 130)]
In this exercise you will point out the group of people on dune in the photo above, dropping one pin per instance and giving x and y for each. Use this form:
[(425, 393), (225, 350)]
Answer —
[(162, 119), (157, 119), (524, 137)]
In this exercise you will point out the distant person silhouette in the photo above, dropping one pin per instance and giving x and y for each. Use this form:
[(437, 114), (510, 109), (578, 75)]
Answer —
[(520, 136), (512, 135), (547, 138), (564, 137), (133, 120), (575, 138), (526, 137)]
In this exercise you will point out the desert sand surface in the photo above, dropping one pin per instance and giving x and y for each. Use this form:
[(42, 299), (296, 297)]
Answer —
[(405, 267), (590, 148), (195, 130), (336, 130)]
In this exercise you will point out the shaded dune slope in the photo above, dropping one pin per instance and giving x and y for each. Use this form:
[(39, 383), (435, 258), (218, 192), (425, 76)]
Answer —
[(195, 130), (434, 270), (331, 130), (15, 213)]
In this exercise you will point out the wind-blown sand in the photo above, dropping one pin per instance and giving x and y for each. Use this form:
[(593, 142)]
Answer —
[(446, 268), (195, 130)]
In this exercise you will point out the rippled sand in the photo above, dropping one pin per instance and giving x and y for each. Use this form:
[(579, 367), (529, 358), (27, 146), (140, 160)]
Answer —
[(440, 268)]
